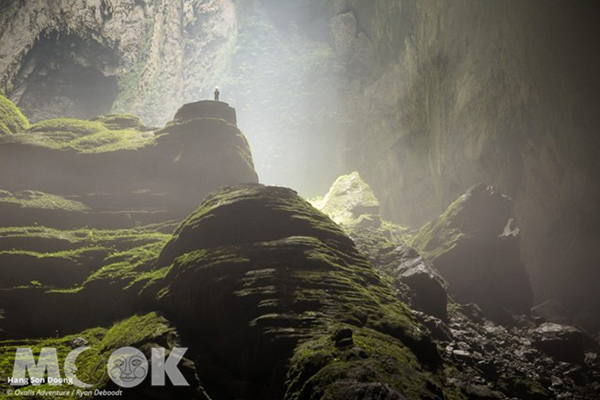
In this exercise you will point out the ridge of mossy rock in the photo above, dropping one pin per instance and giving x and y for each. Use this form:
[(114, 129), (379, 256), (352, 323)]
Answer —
[(350, 202), (474, 247), (100, 135), (250, 213), (29, 207), (40, 200), (256, 272), (121, 121), (12, 119), (125, 173), (94, 274), (61, 269)]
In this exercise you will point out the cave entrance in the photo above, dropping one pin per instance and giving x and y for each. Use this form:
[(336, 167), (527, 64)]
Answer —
[(66, 75)]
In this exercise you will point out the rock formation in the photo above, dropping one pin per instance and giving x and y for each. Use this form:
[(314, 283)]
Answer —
[(350, 201), (521, 356), (114, 172), (262, 281), (99, 56), (499, 92), (472, 245)]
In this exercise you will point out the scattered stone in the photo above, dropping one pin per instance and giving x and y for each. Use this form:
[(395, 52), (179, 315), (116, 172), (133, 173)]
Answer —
[(462, 355)]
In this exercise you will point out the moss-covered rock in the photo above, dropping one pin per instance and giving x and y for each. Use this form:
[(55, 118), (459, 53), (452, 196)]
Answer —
[(474, 247), (40, 200), (260, 279), (143, 331), (101, 135), (95, 274), (30, 207), (249, 214), (123, 173), (60, 269), (12, 119)]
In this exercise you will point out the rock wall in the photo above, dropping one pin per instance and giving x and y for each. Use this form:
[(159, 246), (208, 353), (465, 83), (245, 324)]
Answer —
[(503, 92), (144, 57)]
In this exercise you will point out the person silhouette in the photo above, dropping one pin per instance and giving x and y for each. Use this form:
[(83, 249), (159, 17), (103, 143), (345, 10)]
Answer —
[(217, 93)]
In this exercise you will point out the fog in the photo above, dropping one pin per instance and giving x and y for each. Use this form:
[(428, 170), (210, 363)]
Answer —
[(285, 83)]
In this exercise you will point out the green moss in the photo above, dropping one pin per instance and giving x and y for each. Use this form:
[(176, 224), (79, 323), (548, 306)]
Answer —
[(65, 126), (29, 237), (11, 118), (62, 346), (437, 237), (104, 134), (291, 215), (66, 254), (41, 200), (121, 257), (121, 121), (134, 332), (318, 367), (321, 287), (130, 266)]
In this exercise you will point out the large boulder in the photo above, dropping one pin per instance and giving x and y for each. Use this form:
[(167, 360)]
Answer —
[(429, 287), (350, 202), (563, 342), (273, 293), (474, 247)]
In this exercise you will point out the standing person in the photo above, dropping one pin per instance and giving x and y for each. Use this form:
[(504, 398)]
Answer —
[(217, 93)]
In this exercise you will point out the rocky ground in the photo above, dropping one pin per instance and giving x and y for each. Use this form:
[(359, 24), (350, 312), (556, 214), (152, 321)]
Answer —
[(496, 352)]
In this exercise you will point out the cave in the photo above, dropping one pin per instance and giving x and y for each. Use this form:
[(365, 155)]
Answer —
[(64, 74), (265, 200)]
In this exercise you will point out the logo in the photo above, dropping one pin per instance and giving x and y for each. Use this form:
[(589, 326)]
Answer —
[(127, 367)]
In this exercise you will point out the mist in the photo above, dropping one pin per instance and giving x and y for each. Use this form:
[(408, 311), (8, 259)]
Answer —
[(388, 200)]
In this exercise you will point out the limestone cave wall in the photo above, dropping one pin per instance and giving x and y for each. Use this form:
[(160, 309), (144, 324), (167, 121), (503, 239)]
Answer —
[(504, 92)]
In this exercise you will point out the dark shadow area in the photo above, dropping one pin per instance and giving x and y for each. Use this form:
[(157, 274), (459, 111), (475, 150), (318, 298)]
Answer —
[(66, 75)]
